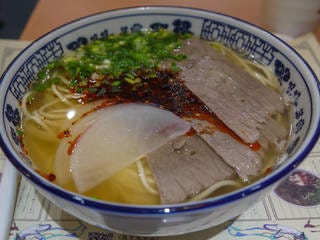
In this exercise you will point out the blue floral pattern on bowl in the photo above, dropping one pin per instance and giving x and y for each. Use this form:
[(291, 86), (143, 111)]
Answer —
[(298, 81)]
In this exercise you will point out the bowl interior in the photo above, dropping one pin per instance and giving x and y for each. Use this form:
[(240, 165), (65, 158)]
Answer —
[(299, 82)]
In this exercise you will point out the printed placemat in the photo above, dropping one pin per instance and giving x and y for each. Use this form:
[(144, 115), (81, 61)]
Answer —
[(292, 211)]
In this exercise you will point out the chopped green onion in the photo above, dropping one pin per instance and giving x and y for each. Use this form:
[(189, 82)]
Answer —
[(119, 58), (40, 87)]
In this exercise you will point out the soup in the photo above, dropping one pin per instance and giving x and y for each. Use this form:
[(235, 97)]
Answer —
[(154, 117)]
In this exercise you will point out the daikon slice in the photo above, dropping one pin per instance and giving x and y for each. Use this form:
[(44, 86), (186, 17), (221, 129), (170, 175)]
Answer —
[(62, 158), (62, 169), (119, 136)]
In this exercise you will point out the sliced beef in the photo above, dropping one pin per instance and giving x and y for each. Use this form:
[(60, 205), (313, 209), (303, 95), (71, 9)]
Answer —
[(185, 167), (188, 165), (239, 100), (246, 162)]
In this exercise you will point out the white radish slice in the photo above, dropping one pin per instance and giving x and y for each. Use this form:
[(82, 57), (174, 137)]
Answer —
[(62, 158), (118, 136), (62, 169)]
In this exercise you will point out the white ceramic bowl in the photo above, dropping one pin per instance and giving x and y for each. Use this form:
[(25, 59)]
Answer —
[(296, 77)]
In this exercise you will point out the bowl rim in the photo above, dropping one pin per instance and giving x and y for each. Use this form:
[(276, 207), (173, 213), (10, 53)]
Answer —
[(170, 208)]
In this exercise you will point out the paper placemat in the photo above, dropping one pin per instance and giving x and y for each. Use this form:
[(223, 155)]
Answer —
[(8, 176), (278, 216)]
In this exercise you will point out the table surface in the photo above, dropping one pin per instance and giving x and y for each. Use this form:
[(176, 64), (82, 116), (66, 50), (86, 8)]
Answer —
[(271, 218), (48, 15)]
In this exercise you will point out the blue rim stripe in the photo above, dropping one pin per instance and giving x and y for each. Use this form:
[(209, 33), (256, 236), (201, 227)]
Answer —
[(186, 207)]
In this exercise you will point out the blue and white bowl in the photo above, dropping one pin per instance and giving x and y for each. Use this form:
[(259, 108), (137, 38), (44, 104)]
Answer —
[(296, 77)]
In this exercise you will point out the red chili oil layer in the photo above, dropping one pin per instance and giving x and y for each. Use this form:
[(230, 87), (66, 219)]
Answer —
[(167, 91)]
